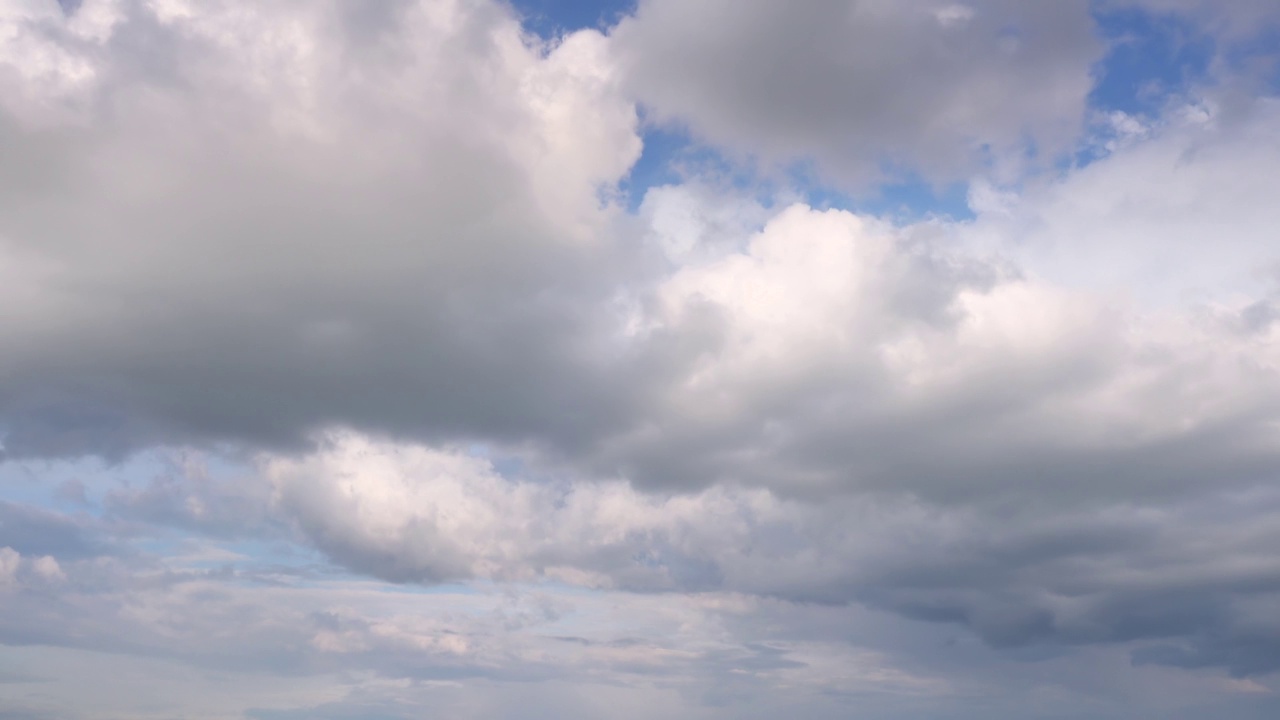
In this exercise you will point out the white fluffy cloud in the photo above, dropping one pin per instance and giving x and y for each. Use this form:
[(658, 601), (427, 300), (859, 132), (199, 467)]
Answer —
[(835, 353), (1179, 219)]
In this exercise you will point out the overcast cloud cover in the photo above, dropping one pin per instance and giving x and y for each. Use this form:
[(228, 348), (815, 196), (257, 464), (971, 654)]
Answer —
[(458, 358)]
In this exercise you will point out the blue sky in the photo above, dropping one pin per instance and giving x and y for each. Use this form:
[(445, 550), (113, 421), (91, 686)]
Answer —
[(711, 360), (549, 18)]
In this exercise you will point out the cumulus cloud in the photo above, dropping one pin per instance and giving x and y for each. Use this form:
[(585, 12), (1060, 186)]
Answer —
[(321, 247), (823, 81), (386, 205), (445, 411), (837, 353), (1180, 218)]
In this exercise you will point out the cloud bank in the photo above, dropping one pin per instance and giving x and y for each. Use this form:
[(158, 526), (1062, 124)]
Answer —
[(342, 347)]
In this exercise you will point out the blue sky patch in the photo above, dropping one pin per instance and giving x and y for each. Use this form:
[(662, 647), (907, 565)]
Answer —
[(1151, 59), (550, 18)]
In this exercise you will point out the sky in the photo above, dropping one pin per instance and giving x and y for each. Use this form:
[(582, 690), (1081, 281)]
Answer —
[(716, 360)]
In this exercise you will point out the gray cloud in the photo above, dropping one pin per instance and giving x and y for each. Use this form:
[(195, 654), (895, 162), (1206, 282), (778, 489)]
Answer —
[(35, 531), (857, 86), (336, 645), (1097, 571), (326, 252), (231, 244)]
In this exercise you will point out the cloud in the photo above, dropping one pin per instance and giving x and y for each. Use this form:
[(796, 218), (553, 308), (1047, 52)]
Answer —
[(30, 530), (835, 353), (446, 416), (709, 419), (323, 249), (1177, 219), (1111, 573), (856, 87), (1099, 570), (17, 571), (228, 193), (231, 639), (9, 561), (187, 494)]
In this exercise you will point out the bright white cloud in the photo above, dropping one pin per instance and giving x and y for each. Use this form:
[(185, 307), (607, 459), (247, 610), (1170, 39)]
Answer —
[(1183, 217)]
